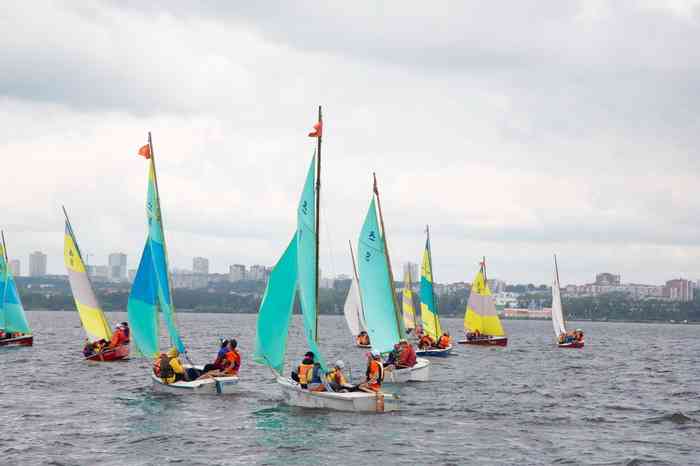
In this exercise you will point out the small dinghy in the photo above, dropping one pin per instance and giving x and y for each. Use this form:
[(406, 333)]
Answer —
[(92, 317), (385, 322), (298, 270), (151, 291), (213, 386), (564, 339), (481, 322), (14, 328), (434, 352)]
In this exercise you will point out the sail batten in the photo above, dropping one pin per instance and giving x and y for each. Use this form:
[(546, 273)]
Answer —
[(88, 306)]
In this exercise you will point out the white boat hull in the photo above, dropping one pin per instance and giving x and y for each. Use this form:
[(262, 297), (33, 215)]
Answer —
[(418, 373), (359, 402), (215, 386)]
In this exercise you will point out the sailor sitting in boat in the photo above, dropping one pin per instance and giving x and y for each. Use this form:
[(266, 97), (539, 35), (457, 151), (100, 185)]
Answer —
[(407, 355), (120, 335), (94, 348), (363, 338), (169, 368), (335, 380), (425, 342), (308, 374), (476, 335), (374, 374), (444, 341), (227, 365)]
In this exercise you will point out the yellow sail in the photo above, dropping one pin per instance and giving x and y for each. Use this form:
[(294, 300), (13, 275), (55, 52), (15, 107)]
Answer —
[(91, 315), (481, 310), (409, 312)]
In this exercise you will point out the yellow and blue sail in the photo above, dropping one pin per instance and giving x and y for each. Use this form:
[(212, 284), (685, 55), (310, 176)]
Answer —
[(376, 288), (481, 310), (276, 310), (428, 307), (86, 302), (151, 287), (12, 316)]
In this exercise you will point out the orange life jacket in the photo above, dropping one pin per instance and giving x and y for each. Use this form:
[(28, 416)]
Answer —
[(306, 372), (233, 358), (444, 342), (375, 375)]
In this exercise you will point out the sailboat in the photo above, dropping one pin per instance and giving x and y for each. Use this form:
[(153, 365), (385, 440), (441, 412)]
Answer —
[(564, 338), (384, 320), (428, 304), (91, 314), (14, 328), (481, 322), (409, 311), (151, 291), (354, 315), (298, 270)]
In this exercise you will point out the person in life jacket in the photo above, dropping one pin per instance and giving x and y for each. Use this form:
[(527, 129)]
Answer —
[(425, 342), (407, 355), (218, 363), (444, 341), (363, 338), (169, 368), (374, 374), (87, 349), (120, 336), (230, 363), (304, 373), (335, 379)]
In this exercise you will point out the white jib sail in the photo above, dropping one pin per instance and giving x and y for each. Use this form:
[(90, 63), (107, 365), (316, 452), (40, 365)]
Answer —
[(557, 312), (353, 309)]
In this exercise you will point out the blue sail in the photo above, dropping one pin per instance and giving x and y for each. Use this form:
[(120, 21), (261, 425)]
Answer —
[(276, 310), (12, 316), (142, 307), (375, 286)]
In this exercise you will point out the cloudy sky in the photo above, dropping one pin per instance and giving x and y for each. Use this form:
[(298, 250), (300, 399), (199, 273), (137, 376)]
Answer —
[(515, 129)]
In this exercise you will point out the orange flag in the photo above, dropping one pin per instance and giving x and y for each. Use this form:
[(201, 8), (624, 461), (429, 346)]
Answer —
[(318, 129), (145, 151)]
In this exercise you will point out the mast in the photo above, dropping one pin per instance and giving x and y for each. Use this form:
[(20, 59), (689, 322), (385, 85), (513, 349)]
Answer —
[(4, 248), (318, 213), (432, 278), (388, 261)]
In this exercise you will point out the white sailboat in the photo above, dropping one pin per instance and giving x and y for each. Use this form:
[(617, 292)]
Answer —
[(354, 314), (564, 339)]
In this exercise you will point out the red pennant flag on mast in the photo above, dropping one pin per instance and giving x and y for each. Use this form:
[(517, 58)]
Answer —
[(318, 129), (145, 151)]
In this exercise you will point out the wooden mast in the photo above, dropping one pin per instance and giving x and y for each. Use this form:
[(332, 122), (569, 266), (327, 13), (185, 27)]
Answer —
[(318, 213), (388, 261)]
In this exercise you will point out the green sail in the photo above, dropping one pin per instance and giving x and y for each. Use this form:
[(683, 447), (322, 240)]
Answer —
[(12, 317), (428, 306), (306, 259), (376, 289), (276, 310)]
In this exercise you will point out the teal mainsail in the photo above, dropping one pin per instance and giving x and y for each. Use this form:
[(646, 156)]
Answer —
[(12, 316), (276, 310), (376, 287), (306, 257), (151, 288), (296, 269)]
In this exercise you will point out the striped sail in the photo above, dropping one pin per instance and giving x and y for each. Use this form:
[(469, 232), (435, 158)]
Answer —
[(151, 287), (428, 307), (376, 289), (12, 316), (276, 310), (353, 309), (306, 258), (481, 310), (409, 311), (557, 311), (86, 302)]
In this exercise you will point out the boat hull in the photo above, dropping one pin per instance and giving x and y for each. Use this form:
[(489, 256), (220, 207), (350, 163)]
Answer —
[(358, 402), (435, 352), (215, 386), (115, 354), (491, 341), (418, 373), (573, 344), (24, 340)]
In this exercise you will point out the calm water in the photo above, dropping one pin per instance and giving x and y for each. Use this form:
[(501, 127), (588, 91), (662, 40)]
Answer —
[(632, 396)]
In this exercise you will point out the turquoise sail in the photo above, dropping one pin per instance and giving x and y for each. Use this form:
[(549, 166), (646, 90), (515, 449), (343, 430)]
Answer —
[(377, 291), (156, 242), (428, 307), (276, 310), (12, 316), (306, 258), (142, 307)]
